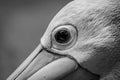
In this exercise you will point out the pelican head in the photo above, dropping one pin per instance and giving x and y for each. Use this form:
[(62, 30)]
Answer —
[(80, 43)]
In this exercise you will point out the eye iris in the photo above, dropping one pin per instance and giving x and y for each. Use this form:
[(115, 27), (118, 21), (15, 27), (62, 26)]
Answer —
[(62, 36)]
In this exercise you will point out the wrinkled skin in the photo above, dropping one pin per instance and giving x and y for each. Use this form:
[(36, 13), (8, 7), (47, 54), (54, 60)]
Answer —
[(97, 47)]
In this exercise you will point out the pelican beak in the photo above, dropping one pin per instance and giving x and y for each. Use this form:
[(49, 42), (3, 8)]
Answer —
[(43, 65)]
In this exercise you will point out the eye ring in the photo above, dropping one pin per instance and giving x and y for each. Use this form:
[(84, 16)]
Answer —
[(63, 37)]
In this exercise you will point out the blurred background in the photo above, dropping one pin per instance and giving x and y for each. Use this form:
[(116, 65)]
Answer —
[(22, 24)]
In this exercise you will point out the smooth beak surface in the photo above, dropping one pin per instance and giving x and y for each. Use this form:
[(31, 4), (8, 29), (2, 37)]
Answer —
[(42, 65)]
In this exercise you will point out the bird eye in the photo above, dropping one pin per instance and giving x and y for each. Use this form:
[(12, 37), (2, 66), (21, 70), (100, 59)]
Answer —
[(63, 37)]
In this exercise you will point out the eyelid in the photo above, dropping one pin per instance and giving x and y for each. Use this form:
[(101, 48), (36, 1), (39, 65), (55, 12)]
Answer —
[(60, 46)]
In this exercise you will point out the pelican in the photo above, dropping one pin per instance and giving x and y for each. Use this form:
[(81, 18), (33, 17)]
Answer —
[(80, 43)]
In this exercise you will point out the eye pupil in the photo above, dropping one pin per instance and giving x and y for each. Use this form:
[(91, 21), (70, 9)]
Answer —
[(62, 36)]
